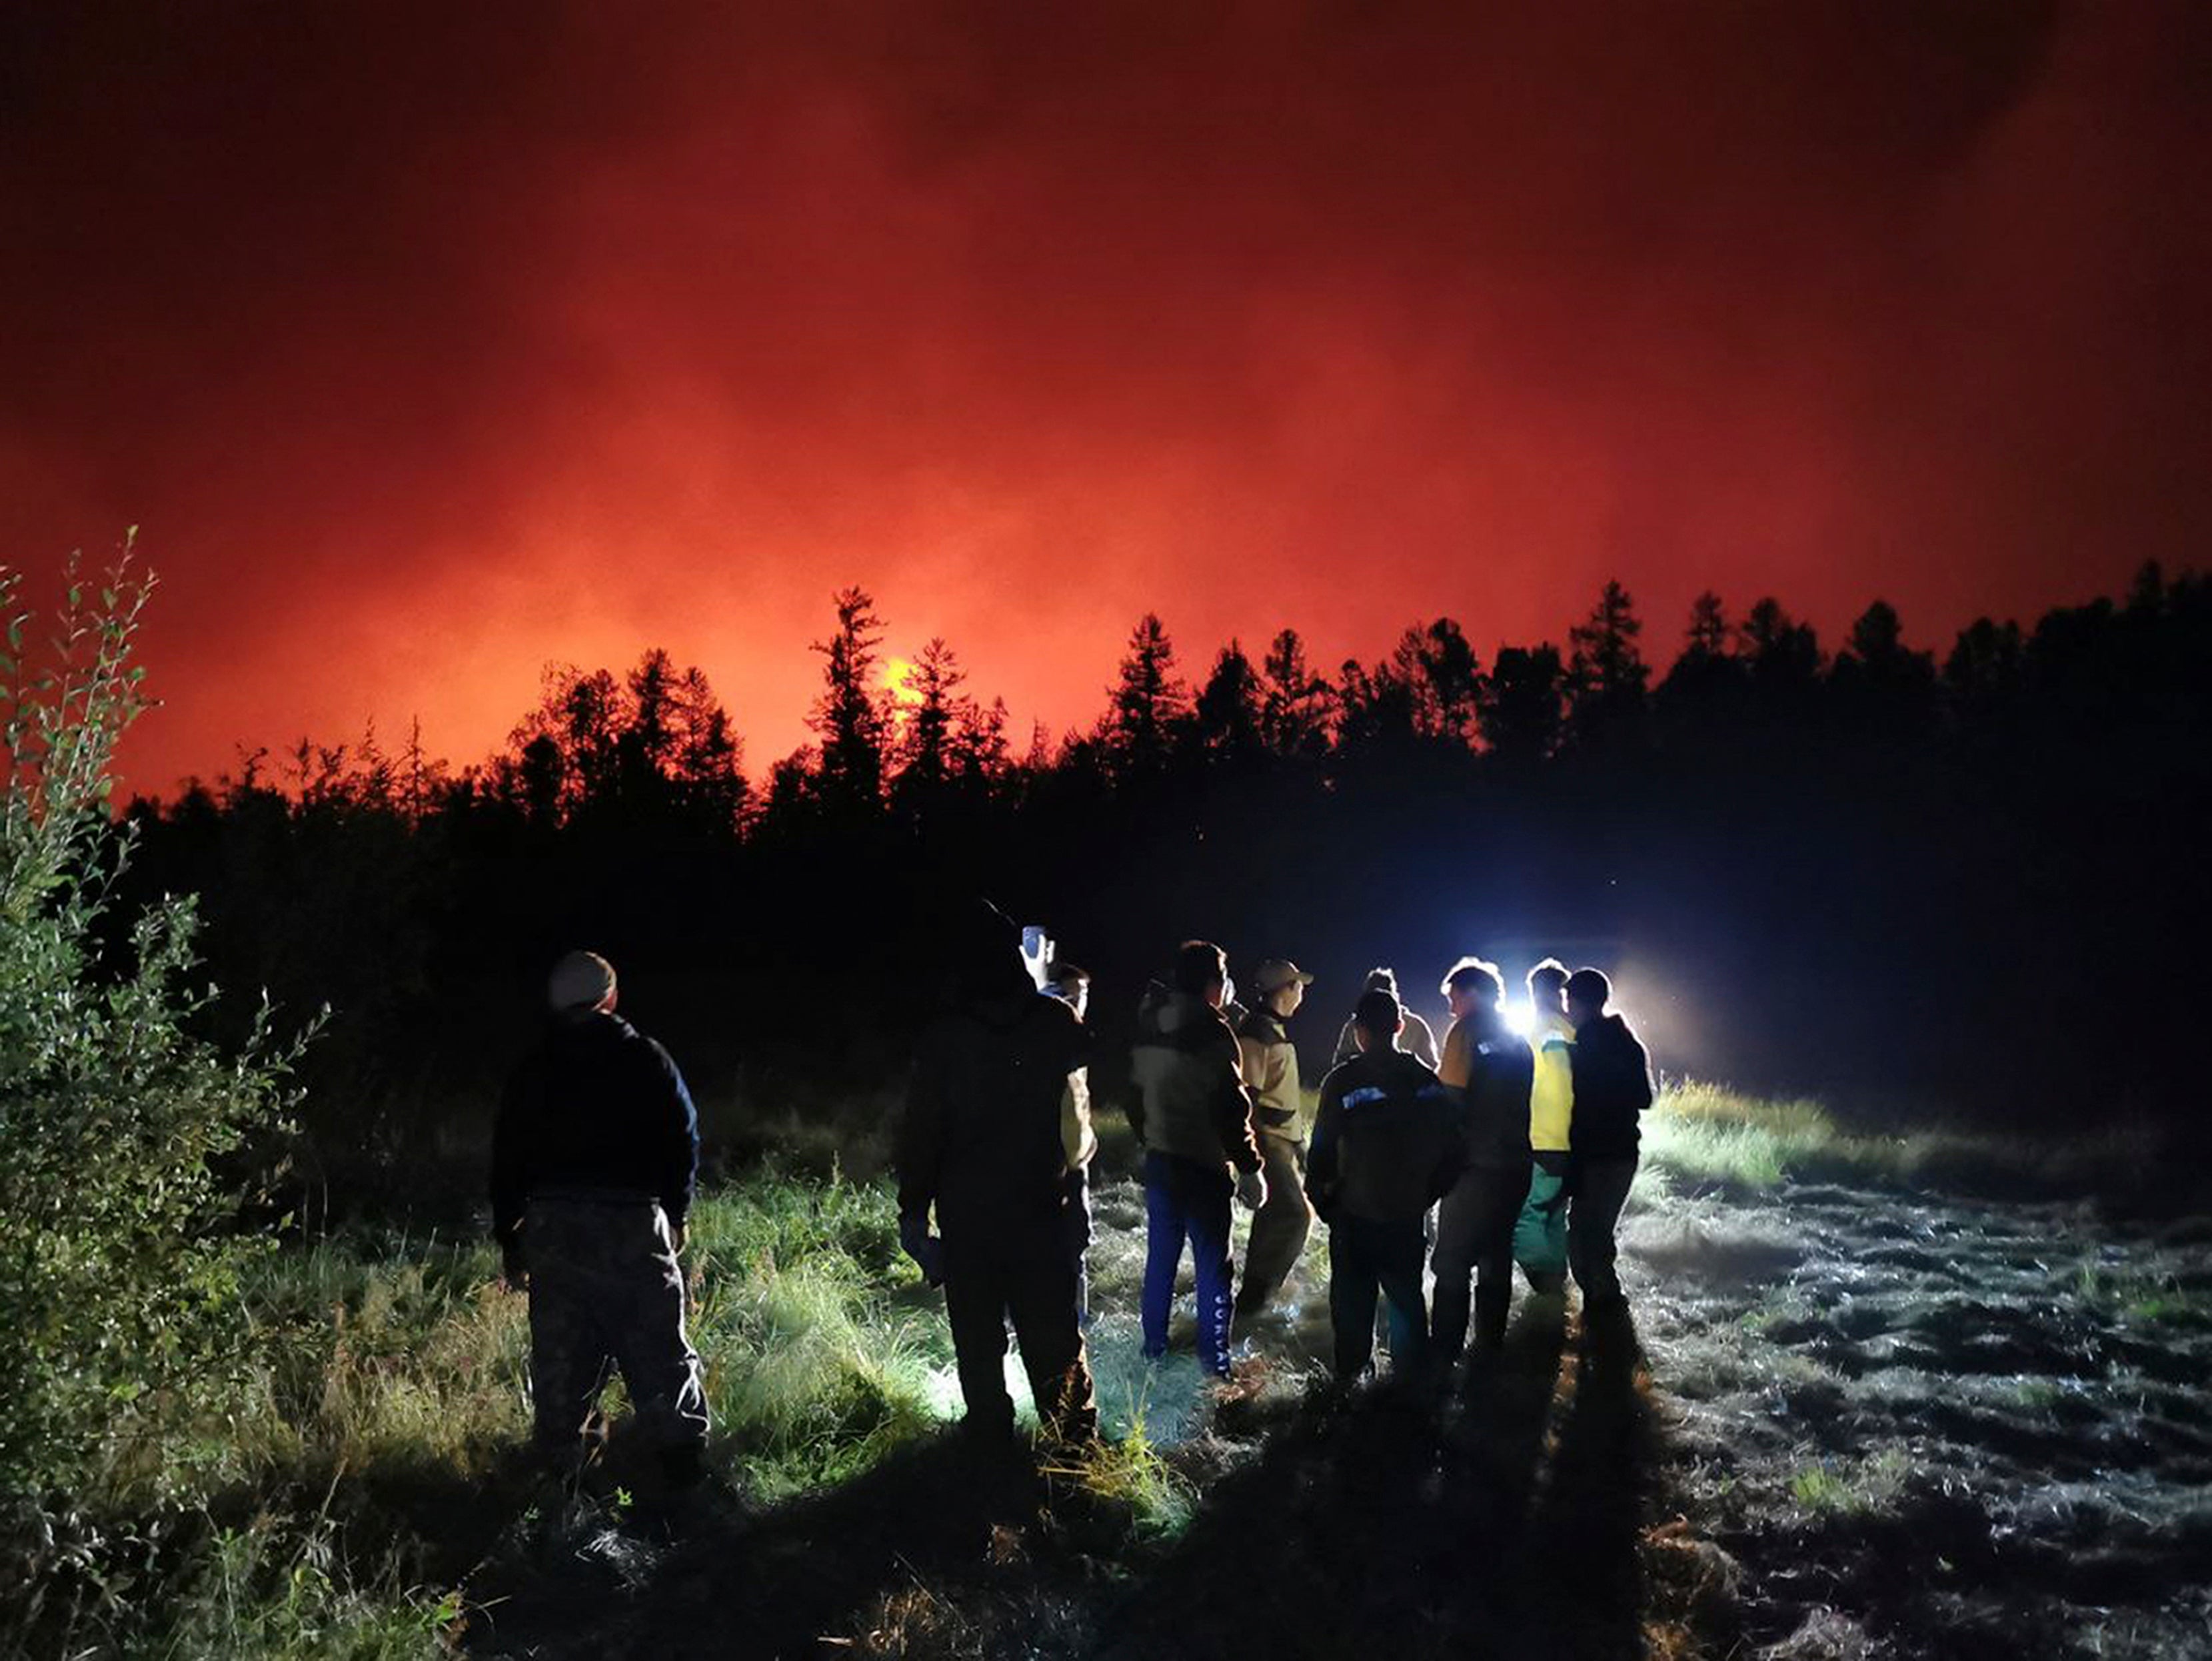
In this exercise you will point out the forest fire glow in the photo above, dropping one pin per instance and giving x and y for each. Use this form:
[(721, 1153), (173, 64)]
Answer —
[(1028, 365)]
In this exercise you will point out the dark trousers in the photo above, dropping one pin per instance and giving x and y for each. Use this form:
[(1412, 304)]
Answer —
[(1077, 1217), (1188, 1201), (1596, 1190), (1022, 1275), (1279, 1227), (1366, 1258), (1474, 1253), (606, 1291)]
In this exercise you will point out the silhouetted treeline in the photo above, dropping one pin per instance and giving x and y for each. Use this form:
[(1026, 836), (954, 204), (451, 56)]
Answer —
[(1975, 882)]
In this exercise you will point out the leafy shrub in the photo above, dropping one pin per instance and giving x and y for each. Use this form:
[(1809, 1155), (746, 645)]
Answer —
[(119, 1269)]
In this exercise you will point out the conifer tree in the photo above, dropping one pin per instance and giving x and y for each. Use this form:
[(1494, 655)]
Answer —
[(1605, 673), (1228, 712), (1450, 679), (850, 716), (1150, 703), (1523, 704), (1294, 702)]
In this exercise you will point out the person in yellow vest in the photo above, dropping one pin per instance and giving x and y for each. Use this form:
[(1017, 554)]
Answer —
[(1540, 1238), (1270, 1060)]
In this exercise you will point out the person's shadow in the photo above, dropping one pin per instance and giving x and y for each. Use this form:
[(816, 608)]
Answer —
[(1377, 1528), (1414, 1520), (906, 1541), (1579, 1591)]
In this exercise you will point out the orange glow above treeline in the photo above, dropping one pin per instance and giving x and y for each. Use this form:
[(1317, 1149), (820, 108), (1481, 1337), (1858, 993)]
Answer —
[(423, 361)]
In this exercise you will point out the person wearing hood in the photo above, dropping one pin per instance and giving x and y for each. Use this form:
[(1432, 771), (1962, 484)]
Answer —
[(595, 1155), (983, 1145), (1270, 1064), (1193, 1118), (1418, 1040), (1490, 1069), (1387, 1143), (1613, 1087)]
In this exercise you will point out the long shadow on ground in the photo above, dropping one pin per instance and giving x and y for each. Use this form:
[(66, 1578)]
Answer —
[(1501, 1515), (923, 1540)]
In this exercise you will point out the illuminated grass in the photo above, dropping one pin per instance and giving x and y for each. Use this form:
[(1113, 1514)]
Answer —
[(1704, 1133), (1130, 1472), (1711, 1134), (1854, 1487), (372, 1442)]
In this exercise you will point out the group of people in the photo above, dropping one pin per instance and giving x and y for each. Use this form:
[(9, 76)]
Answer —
[(1491, 1149), (1496, 1149)]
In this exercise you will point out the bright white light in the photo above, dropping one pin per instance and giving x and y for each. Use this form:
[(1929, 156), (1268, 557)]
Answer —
[(1520, 1019)]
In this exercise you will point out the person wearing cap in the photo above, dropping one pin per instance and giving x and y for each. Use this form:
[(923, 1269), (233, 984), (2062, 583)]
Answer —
[(1418, 1039), (1491, 1069), (1193, 1115), (1539, 1236), (595, 1156), (1613, 1087), (1386, 1144), (1270, 1063), (983, 1145)]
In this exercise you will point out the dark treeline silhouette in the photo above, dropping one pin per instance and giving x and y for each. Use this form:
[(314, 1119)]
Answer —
[(1975, 882)]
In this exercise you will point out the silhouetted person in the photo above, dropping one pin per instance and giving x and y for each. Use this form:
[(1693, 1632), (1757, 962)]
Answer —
[(1387, 1143), (1270, 1062), (1191, 1111), (1540, 1241), (594, 1157), (1490, 1068), (1417, 1039), (1613, 1087), (984, 1144), (1072, 986)]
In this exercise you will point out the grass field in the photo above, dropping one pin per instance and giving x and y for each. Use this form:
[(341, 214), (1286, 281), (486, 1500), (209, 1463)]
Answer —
[(363, 1496)]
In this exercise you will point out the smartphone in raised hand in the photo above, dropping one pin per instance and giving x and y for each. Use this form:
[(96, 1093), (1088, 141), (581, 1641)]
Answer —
[(1036, 953)]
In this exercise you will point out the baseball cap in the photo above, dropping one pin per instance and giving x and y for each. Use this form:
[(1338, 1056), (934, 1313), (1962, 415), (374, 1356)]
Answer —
[(1276, 973)]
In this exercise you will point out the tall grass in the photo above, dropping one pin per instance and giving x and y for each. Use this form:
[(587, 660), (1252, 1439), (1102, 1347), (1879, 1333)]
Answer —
[(372, 1444), (1706, 1133), (813, 1370)]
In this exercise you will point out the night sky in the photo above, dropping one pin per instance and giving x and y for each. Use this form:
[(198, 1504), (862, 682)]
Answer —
[(427, 344)]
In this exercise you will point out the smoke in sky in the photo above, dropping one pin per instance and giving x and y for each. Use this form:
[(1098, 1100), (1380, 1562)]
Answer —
[(430, 343)]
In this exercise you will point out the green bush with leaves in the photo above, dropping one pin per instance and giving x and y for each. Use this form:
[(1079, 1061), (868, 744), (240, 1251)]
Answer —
[(119, 1247)]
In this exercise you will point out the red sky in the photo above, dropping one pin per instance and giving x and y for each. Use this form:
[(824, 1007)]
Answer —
[(427, 344)]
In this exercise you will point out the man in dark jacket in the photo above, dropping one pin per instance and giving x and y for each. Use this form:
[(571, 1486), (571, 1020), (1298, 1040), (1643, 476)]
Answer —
[(1386, 1144), (1491, 1069), (1190, 1110), (594, 1157), (1613, 1087), (982, 1144)]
